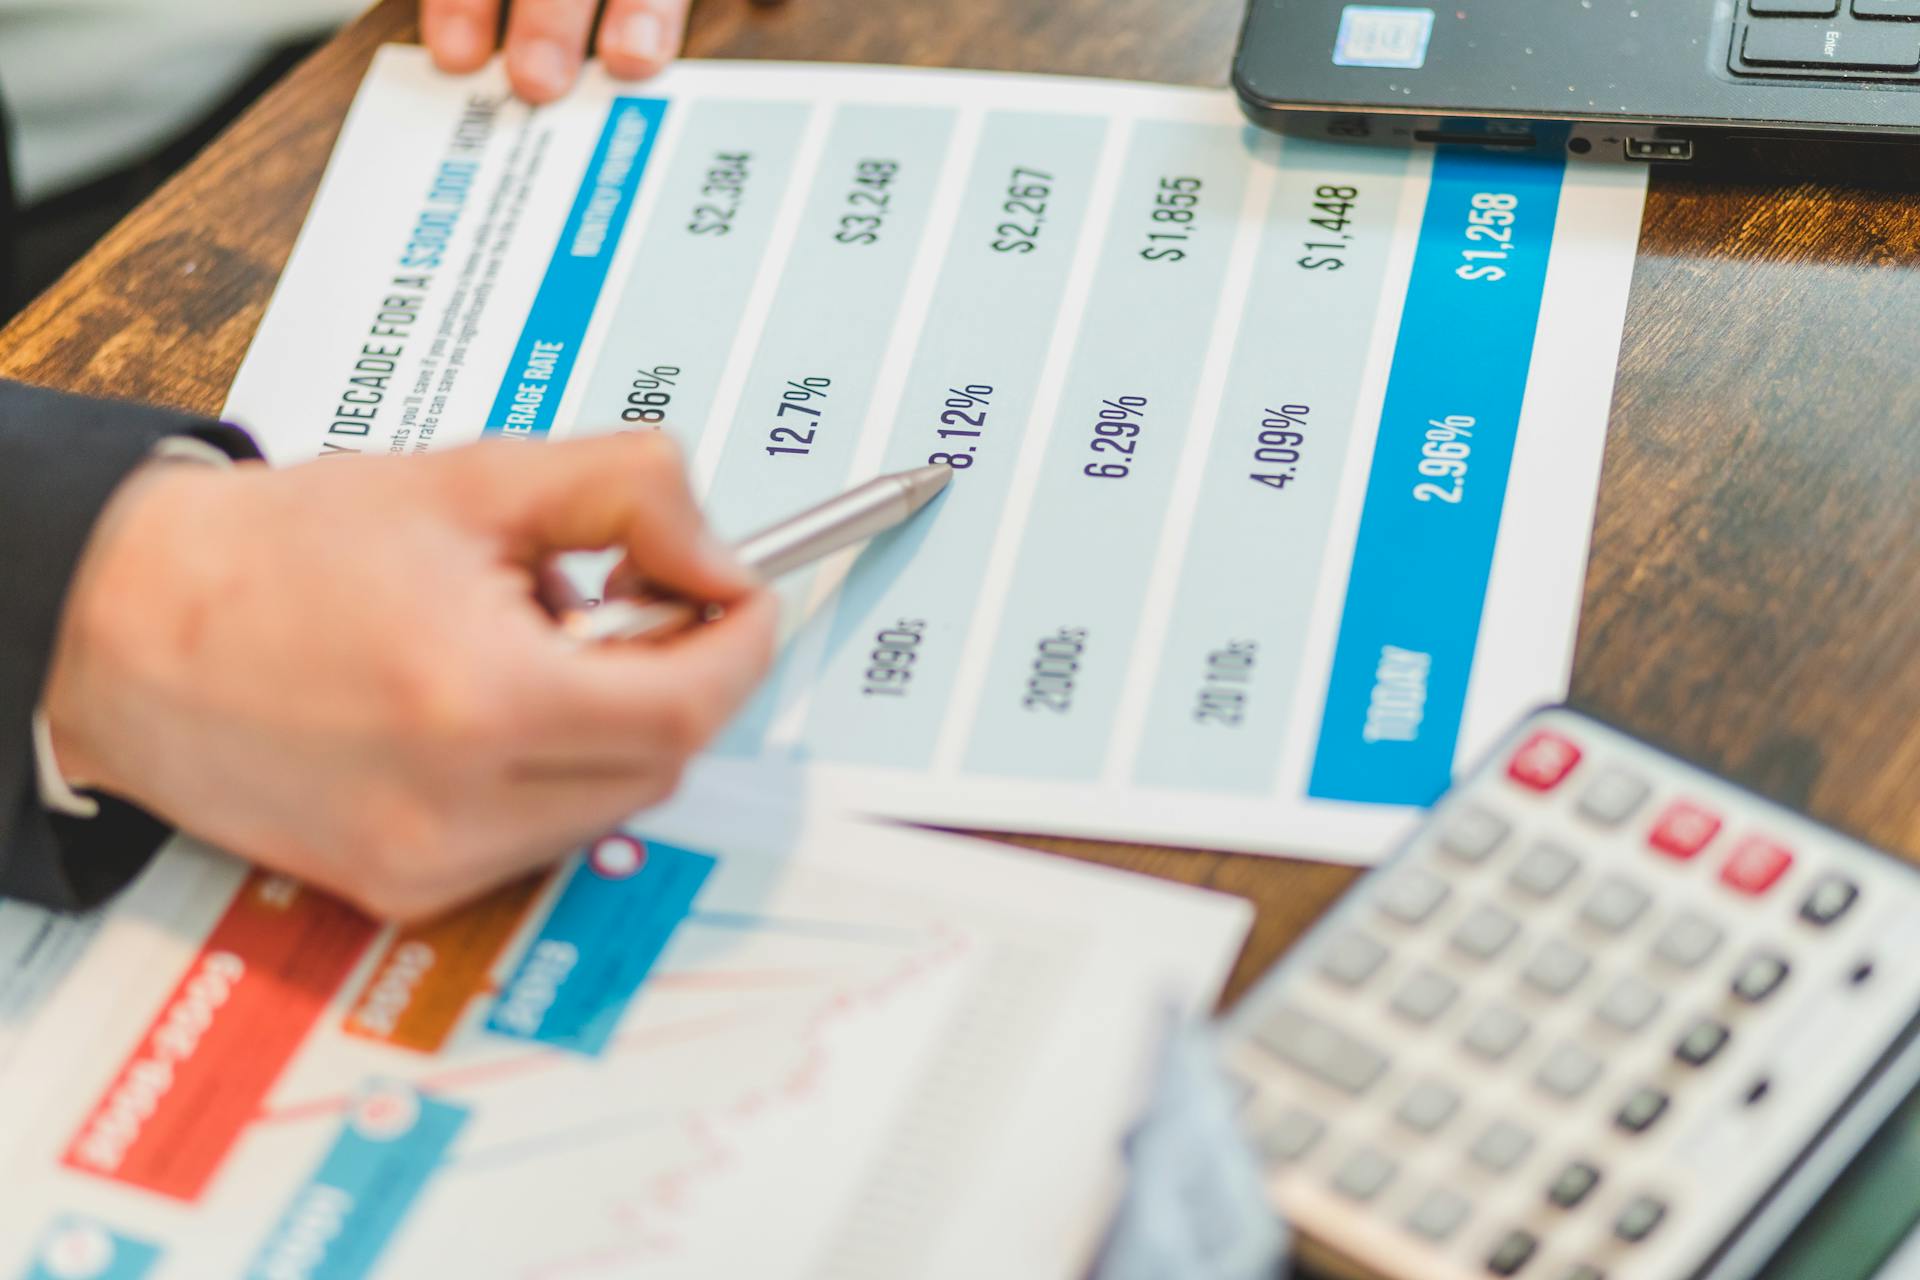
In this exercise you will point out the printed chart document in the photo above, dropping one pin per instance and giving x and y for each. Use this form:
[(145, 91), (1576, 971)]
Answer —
[(728, 1045), (1277, 460)]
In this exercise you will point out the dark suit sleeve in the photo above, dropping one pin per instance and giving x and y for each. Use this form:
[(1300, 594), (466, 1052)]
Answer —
[(61, 457)]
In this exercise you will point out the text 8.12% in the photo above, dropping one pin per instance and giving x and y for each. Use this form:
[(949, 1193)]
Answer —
[(964, 419)]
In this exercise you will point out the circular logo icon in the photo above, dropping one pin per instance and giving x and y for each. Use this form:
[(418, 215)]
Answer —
[(617, 857), (77, 1250), (384, 1112)]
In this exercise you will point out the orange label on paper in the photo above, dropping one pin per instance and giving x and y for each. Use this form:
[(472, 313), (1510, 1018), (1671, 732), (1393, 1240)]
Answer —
[(431, 972)]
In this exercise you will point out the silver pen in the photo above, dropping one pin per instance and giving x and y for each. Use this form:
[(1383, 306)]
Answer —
[(834, 525)]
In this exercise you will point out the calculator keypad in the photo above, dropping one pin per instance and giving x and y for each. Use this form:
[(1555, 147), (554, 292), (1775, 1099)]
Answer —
[(1544, 871), (1615, 904), (1688, 940), (1684, 829), (1474, 834), (1829, 900), (1629, 1005), (1485, 932), (1353, 958), (1755, 866), (1323, 1051), (1508, 1045)]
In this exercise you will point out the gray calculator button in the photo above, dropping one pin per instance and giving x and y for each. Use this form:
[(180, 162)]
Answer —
[(1425, 996), (1544, 871), (1496, 1032), (1427, 1106), (1485, 932), (1701, 1042), (1760, 976), (1613, 797), (1629, 1004), (1514, 1251), (1688, 940), (1614, 904), (1637, 1221), (1364, 1174), (1643, 1106), (1290, 1136), (1828, 900), (1556, 968), (1473, 834), (1438, 1215), (1323, 1051), (1351, 958), (1504, 1145), (1573, 1184), (1568, 1071), (1411, 895)]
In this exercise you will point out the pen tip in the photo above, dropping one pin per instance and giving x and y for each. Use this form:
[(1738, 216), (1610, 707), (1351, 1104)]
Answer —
[(924, 482)]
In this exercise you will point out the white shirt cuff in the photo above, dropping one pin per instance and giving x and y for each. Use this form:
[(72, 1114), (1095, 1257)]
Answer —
[(190, 449), (56, 795)]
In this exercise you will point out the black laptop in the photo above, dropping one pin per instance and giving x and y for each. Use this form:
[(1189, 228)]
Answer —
[(1662, 81)]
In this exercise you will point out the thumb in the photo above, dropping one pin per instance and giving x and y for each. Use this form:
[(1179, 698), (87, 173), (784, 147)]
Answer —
[(627, 491)]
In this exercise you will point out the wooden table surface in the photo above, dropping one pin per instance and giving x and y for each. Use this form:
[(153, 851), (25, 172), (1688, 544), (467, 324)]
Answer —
[(1753, 599)]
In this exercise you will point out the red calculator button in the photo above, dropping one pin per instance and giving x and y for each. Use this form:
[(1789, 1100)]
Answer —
[(1683, 830), (1543, 761), (1755, 865)]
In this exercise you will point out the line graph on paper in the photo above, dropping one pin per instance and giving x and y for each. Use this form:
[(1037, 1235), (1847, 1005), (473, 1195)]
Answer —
[(760, 1063)]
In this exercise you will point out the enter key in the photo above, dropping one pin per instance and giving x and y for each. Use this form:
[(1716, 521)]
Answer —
[(1853, 46)]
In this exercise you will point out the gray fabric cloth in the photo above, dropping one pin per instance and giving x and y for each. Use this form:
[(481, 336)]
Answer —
[(92, 85)]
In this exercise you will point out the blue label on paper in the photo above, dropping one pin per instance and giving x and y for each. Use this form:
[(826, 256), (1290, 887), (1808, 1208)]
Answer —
[(76, 1248), (1373, 35), (543, 359), (1439, 479), (340, 1220), (620, 906)]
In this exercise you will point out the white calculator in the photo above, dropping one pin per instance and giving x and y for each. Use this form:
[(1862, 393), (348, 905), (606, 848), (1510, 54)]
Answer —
[(1605, 1017)]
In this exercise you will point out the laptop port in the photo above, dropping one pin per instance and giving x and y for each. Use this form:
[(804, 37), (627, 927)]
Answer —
[(1675, 150), (1461, 138)]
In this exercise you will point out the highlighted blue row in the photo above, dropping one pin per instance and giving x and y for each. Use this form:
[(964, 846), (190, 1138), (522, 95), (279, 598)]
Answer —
[(343, 1217), (549, 345), (1439, 480), (618, 910)]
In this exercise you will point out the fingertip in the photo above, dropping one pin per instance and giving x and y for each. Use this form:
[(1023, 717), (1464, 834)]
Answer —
[(636, 45), (540, 70), (458, 44), (723, 566), (758, 617)]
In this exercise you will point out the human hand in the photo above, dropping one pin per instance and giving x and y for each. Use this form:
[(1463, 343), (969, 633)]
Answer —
[(339, 670), (547, 39)]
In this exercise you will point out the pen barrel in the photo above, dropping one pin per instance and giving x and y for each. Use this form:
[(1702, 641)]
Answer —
[(832, 526), (628, 620)]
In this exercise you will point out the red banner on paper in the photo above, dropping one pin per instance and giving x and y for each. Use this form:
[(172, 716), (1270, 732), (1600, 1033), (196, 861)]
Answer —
[(262, 979)]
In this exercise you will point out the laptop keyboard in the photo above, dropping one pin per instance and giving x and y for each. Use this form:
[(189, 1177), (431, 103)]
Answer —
[(1828, 39)]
